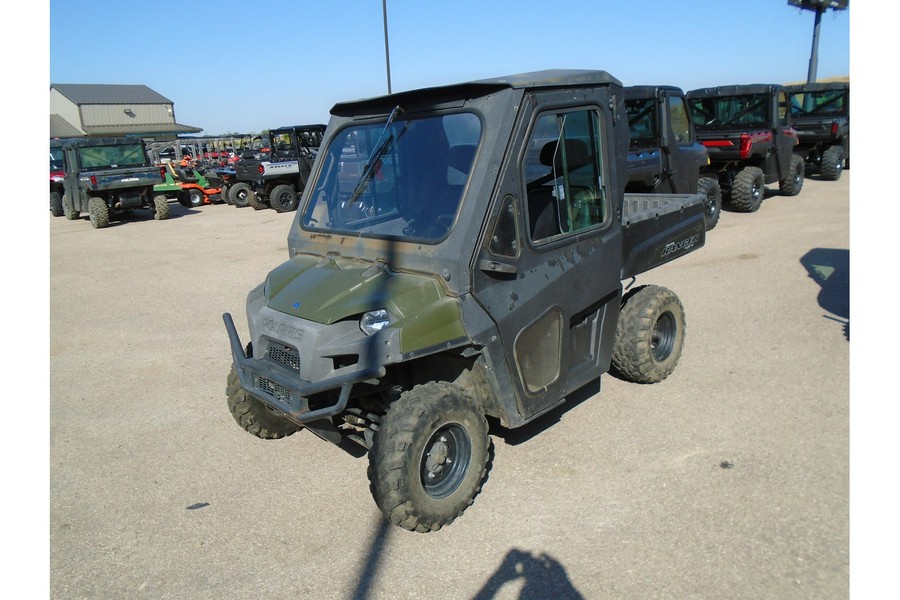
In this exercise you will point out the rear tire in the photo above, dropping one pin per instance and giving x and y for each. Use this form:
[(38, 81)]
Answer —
[(98, 212), (748, 189), (793, 183), (283, 199), (429, 457), (832, 163), (713, 192), (239, 194), (649, 335), (56, 205), (160, 208), (253, 415)]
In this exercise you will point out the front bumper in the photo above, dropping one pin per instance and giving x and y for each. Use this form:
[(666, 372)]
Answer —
[(259, 377)]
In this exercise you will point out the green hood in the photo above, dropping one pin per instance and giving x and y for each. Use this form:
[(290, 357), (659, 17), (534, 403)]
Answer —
[(329, 290)]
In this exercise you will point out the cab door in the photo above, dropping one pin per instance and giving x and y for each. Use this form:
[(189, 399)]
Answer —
[(547, 268), (686, 156)]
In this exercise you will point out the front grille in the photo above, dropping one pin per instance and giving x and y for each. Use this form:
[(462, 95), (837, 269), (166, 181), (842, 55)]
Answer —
[(277, 391), (284, 356)]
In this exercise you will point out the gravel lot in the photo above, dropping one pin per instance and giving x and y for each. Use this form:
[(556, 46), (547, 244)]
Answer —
[(728, 480)]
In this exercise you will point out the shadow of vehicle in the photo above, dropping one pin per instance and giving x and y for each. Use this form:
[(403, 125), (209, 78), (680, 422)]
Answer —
[(830, 268)]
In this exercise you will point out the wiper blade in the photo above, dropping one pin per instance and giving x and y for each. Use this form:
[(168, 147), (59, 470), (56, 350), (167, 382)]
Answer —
[(382, 145)]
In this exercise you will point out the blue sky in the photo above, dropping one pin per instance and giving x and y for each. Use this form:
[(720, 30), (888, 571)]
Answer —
[(241, 66)]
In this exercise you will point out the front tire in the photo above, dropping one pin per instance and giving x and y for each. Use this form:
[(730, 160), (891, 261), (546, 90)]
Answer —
[(98, 212), (793, 183), (710, 188), (253, 415), (283, 198), (429, 457), (748, 189), (832, 163), (195, 197), (649, 335)]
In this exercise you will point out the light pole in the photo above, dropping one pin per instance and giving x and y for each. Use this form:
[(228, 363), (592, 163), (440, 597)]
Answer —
[(387, 51), (819, 6)]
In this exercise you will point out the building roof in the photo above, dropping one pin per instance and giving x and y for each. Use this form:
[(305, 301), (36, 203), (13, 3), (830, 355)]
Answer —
[(60, 128), (102, 93), (145, 129)]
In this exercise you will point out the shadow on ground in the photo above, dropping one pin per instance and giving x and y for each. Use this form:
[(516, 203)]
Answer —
[(541, 577), (830, 268)]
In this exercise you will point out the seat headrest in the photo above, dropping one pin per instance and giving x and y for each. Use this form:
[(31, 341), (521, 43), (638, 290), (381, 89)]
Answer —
[(576, 154)]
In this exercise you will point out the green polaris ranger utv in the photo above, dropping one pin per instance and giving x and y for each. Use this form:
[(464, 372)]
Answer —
[(458, 254)]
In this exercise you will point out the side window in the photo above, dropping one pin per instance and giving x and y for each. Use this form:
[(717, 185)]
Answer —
[(641, 121), (563, 171), (678, 117)]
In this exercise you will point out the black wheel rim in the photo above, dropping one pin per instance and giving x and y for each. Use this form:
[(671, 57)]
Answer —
[(445, 460), (662, 340), (754, 193)]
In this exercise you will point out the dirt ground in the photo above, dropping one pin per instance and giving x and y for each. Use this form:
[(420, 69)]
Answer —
[(730, 479)]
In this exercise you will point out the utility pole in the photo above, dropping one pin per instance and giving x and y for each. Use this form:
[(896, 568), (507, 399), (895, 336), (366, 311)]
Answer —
[(819, 6), (387, 51)]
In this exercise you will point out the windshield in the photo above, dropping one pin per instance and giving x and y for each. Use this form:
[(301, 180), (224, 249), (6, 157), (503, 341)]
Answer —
[(401, 178), (825, 103), (113, 156), (745, 110)]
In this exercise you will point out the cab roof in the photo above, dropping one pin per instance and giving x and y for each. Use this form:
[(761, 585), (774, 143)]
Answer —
[(551, 78)]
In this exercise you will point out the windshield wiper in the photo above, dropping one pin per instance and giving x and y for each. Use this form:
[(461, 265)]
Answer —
[(381, 148)]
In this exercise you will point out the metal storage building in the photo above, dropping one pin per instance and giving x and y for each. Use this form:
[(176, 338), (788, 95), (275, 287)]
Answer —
[(109, 110)]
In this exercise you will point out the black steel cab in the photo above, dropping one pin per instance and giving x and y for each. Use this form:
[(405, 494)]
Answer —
[(747, 124), (664, 154), (278, 178), (821, 116), (110, 176), (747, 131), (510, 194)]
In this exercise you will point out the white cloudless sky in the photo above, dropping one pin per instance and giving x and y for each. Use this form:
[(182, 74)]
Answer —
[(242, 66)]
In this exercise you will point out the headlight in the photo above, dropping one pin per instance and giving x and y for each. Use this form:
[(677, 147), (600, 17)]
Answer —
[(374, 321)]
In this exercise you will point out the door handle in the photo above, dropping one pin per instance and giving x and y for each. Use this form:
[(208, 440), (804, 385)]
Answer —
[(490, 265)]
